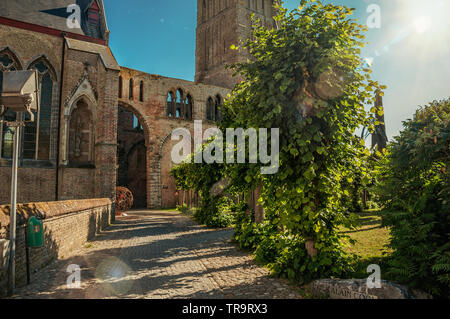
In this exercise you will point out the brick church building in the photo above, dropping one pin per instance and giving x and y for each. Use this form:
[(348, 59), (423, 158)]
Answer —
[(101, 125)]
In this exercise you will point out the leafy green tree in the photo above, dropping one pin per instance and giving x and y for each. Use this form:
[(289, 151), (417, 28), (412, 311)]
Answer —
[(415, 189), (306, 78)]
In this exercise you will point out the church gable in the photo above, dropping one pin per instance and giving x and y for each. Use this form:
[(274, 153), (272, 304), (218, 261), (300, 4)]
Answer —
[(53, 14)]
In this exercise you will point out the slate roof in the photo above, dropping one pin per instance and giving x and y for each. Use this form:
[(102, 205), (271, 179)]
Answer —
[(53, 14)]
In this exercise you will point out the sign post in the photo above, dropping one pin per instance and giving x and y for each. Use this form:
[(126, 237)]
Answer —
[(17, 125)]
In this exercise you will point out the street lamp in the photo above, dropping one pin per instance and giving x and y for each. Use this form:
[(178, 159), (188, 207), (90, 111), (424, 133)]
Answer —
[(19, 94)]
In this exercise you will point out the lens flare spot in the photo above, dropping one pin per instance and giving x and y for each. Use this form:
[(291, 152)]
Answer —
[(114, 276), (422, 24)]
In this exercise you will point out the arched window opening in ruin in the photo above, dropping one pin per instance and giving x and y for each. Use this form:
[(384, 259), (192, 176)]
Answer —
[(170, 104), (131, 89), (81, 135), (180, 104), (36, 135), (132, 156), (136, 125), (189, 107), (141, 91), (8, 62), (218, 103), (120, 87), (210, 109)]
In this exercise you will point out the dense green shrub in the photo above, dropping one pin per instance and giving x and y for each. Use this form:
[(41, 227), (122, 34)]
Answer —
[(294, 263), (215, 213), (415, 189), (184, 209), (285, 254)]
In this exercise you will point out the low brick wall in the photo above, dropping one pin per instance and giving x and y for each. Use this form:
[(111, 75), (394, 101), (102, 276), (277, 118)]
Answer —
[(67, 225)]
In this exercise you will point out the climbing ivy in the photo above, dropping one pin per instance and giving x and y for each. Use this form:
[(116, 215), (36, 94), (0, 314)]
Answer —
[(306, 78)]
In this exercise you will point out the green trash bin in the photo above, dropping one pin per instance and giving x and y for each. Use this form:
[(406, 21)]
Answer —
[(35, 233)]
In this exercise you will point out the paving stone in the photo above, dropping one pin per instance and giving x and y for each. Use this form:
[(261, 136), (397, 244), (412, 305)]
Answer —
[(159, 255)]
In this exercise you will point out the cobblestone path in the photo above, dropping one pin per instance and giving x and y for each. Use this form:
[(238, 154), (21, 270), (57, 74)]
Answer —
[(159, 254)]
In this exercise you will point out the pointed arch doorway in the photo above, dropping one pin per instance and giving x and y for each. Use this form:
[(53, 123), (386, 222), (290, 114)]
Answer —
[(132, 154)]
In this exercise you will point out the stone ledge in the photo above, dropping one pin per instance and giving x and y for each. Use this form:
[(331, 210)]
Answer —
[(357, 289), (48, 210)]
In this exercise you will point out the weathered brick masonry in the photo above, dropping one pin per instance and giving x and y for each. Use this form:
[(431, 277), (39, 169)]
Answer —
[(67, 226), (82, 157), (90, 81), (158, 127)]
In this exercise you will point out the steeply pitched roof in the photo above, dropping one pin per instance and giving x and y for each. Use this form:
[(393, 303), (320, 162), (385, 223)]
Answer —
[(103, 51), (53, 14)]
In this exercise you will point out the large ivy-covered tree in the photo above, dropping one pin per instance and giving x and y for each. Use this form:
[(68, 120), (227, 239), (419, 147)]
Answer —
[(307, 79)]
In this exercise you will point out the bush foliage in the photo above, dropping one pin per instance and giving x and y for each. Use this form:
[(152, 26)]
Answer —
[(415, 190)]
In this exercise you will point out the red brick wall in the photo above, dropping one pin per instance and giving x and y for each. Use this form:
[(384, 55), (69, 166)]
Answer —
[(33, 185), (38, 184), (67, 225), (76, 183)]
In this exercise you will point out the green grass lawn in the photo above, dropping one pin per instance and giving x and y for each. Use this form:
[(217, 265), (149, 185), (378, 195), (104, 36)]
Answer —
[(371, 238)]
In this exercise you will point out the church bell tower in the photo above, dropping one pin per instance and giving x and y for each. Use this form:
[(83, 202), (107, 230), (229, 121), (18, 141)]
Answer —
[(220, 24)]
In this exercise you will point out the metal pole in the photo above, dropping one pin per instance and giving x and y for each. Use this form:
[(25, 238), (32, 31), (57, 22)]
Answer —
[(12, 223), (27, 253)]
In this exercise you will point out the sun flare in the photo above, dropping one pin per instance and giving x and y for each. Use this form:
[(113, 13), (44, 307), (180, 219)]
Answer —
[(422, 24), (427, 17)]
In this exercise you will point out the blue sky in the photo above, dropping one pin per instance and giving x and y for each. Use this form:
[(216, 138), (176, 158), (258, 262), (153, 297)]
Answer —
[(410, 50)]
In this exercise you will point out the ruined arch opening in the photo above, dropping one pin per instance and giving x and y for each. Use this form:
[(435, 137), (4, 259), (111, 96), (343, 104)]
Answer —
[(132, 155)]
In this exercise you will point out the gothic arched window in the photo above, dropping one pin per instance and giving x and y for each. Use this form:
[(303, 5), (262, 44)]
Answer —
[(218, 103), (141, 91), (210, 109), (131, 89), (8, 62), (189, 107), (36, 135), (180, 104), (170, 104)]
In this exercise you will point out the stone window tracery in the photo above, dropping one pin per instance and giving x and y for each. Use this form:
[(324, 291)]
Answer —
[(179, 105), (35, 139)]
